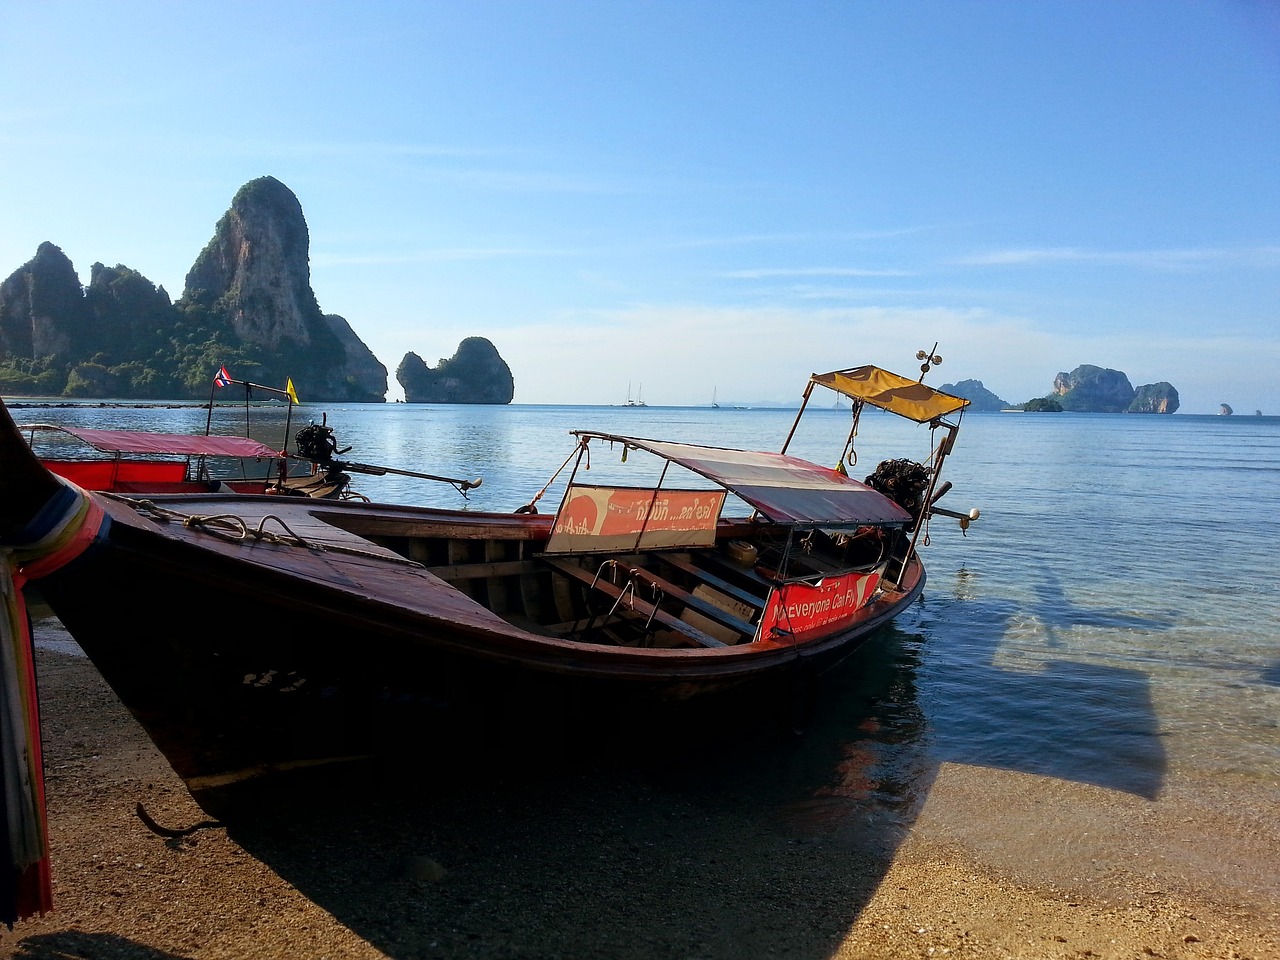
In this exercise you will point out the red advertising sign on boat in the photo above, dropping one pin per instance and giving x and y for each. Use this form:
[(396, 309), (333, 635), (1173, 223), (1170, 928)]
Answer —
[(797, 608), (613, 518)]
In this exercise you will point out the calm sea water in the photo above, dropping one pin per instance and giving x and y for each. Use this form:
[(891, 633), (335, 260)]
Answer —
[(1113, 618)]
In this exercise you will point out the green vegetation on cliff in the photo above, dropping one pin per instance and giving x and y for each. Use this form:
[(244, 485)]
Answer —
[(119, 337), (475, 374), (1042, 405), (248, 305)]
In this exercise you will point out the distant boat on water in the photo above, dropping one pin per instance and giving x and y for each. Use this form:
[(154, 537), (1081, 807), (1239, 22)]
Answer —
[(639, 400)]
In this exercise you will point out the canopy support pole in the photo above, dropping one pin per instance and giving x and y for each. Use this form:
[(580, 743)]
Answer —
[(808, 392), (944, 448)]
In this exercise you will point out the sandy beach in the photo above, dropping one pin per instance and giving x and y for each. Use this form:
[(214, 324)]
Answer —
[(753, 848)]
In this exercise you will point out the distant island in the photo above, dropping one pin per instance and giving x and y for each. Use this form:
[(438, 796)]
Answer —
[(475, 374), (981, 400), (248, 306), (1086, 389)]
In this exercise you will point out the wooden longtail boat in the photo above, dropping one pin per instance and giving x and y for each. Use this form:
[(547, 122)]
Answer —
[(252, 636), (147, 462), (138, 461), (143, 461)]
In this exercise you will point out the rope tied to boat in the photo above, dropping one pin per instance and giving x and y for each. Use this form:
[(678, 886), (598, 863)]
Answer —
[(231, 527), (581, 449), (60, 532), (234, 529)]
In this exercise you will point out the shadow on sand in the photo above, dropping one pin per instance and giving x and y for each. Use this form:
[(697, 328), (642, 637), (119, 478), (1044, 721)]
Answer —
[(710, 833), (700, 836), (74, 945), (686, 836)]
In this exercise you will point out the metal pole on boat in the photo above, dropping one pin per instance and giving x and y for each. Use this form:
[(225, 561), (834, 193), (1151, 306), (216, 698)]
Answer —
[(939, 456), (808, 392), (653, 498), (288, 423), (199, 471), (573, 474), (208, 420)]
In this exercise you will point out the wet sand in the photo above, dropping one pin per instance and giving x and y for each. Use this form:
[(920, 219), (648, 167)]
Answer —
[(749, 847)]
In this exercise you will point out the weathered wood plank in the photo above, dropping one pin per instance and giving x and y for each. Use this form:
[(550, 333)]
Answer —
[(641, 606)]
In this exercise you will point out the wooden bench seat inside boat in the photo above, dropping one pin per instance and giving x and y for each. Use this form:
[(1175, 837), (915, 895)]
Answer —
[(704, 566), (644, 608)]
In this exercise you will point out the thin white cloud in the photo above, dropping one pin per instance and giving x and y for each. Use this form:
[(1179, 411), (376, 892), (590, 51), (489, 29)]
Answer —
[(1260, 256), (773, 273), (443, 255), (797, 237)]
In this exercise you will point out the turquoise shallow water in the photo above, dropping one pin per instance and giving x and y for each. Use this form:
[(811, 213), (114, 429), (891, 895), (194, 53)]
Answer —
[(1112, 619)]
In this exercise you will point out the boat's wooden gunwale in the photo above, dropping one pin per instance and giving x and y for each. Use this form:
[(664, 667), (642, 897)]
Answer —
[(404, 599), (263, 633)]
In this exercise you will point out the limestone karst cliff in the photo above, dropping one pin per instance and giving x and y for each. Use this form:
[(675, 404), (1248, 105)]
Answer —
[(256, 271), (248, 304), (981, 400), (57, 337), (475, 374), (1154, 398), (42, 307), (1093, 389)]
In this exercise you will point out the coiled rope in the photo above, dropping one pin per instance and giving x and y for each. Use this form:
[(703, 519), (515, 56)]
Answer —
[(234, 529)]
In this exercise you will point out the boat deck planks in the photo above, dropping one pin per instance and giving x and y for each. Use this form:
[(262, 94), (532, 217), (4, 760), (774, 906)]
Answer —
[(305, 518)]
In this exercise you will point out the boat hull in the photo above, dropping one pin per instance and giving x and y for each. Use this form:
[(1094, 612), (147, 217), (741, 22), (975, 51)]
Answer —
[(243, 670)]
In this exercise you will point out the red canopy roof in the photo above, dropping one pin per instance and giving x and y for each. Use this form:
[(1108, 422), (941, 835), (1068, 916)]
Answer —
[(784, 489), (181, 444)]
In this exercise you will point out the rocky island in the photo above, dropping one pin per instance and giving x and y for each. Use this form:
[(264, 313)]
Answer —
[(475, 374), (247, 305), (1091, 389), (1086, 389), (981, 400), (1101, 390)]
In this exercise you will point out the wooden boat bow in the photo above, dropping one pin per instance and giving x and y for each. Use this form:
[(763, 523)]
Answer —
[(25, 485)]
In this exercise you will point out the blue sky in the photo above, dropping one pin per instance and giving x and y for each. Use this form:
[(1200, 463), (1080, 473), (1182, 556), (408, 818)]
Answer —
[(691, 197)]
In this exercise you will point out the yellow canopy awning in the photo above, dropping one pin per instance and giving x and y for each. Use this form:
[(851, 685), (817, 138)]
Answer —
[(886, 390)]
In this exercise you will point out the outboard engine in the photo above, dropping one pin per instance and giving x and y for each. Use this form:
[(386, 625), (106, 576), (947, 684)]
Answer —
[(316, 443), (902, 481)]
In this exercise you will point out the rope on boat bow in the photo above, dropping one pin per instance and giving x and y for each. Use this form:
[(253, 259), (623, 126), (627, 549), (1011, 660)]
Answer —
[(171, 833), (234, 529)]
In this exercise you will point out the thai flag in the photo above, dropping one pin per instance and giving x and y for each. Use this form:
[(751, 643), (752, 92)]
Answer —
[(223, 379)]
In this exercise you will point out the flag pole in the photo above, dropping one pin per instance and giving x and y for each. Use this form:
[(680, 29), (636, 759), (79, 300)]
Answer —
[(208, 420), (288, 422)]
